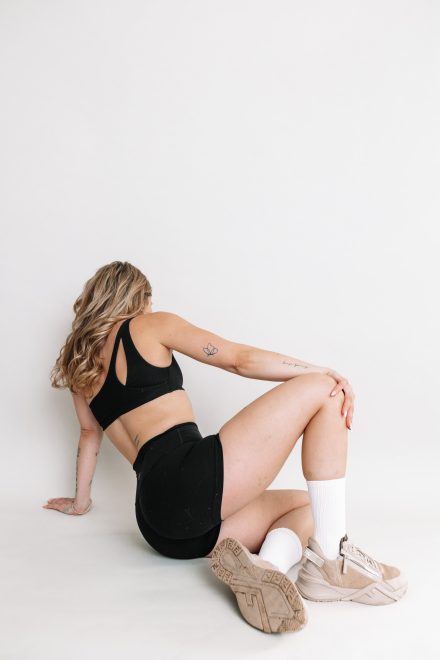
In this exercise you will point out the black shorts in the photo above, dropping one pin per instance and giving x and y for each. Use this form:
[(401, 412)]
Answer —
[(179, 491)]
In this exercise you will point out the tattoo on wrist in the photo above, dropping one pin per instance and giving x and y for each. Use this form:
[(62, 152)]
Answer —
[(294, 364)]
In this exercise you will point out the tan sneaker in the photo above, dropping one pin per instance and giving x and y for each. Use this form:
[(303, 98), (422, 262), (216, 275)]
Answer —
[(353, 575), (267, 598)]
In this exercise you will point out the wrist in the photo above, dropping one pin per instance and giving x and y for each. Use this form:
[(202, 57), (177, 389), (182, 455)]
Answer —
[(82, 502)]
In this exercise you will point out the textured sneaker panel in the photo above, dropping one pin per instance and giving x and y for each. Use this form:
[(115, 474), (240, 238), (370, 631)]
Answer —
[(355, 577), (331, 571)]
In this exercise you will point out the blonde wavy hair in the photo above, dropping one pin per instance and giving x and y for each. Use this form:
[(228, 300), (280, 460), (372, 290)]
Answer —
[(116, 291)]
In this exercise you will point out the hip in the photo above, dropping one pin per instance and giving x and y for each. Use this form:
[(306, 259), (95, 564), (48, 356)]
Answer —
[(180, 482)]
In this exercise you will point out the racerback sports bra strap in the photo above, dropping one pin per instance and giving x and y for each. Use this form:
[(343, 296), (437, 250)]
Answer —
[(111, 366), (131, 352)]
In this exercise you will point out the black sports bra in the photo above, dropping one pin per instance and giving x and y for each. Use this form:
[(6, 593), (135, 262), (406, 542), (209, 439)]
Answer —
[(145, 382)]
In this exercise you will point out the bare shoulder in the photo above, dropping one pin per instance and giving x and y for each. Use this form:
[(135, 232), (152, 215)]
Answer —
[(162, 317), (179, 334)]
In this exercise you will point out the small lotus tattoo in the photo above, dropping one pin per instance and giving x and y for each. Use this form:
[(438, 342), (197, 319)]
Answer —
[(210, 349)]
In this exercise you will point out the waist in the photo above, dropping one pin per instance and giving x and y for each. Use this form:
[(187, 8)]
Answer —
[(169, 433)]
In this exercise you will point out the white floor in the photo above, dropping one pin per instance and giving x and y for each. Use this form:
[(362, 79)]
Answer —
[(90, 587)]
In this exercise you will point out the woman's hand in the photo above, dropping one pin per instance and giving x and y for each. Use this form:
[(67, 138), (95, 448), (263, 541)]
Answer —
[(342, 383), (68, 505)]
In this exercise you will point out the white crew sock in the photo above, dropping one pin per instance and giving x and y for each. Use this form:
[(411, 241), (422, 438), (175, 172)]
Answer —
[(327, 501), (281, 547)]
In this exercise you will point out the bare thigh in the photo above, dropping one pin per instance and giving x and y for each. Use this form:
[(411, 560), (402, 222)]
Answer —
[(251, 523), (257, 441)]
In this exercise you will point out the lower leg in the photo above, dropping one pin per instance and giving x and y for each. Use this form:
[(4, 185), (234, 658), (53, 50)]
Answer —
[(324, 459), (325, 440)]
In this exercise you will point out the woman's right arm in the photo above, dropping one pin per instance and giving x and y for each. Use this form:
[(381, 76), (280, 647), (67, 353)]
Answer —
[(269, 365), (178, 334)]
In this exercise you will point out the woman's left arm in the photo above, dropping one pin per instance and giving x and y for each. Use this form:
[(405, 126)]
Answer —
[(90, 438), (86, 458)]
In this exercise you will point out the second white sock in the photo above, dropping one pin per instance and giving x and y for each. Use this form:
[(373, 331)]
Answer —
[(281, 547)]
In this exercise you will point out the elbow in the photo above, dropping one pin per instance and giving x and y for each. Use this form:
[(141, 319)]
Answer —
[(241, 362), (92, 435)]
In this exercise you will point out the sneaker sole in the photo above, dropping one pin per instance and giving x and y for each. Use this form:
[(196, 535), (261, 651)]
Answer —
[(376, 593), (267, 599)]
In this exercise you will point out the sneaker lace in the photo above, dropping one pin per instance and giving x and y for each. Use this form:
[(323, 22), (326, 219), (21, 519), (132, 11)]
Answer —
[(362, 556)]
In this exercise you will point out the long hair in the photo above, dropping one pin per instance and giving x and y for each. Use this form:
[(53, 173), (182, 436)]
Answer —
[(116, 291)]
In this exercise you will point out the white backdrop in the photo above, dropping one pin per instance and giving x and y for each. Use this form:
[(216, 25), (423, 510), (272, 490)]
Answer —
[(273, 169)]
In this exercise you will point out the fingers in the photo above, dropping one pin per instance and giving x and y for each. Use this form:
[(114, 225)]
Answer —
[(347, 412), (348, 409), (56, 502), (65, 505), (340, 386), (347, 406)]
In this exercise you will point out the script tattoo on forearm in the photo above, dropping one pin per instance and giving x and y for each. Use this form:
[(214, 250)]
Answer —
[(96, 454), (76, 476), (294, 364), (210, 349), (77, 465)]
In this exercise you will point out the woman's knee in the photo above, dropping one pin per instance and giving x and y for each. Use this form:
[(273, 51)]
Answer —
[(318, 386), (299, 498), (334, 402), (324, 384), (317, 379)]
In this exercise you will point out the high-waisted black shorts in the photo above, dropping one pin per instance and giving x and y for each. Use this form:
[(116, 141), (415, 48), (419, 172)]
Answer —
[(179, 491)]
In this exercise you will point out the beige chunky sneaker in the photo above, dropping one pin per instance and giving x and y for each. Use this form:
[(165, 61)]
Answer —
[(353, 575), (266, 597)]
